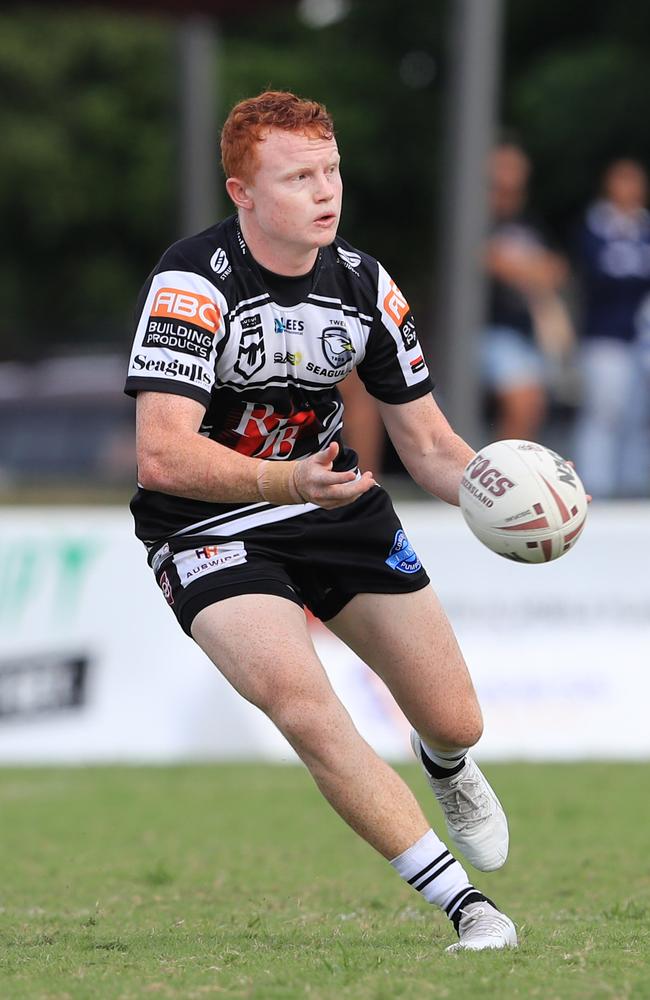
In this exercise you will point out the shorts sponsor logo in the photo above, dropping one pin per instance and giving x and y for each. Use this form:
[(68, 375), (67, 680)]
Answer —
[(252, 354), (166, 587), (402, 556), (170, 369), (409, 334), (183, 339), (351, 260), (163, 553), (395, 304), (417, 364), (188, 307), (195, 563), (220, 263), (337, 346)]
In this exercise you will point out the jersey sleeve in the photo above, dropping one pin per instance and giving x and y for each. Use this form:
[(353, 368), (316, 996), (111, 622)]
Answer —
[(180, 327), (393, 368)]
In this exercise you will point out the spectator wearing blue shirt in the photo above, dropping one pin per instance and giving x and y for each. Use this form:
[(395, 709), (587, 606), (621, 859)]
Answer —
[(613, 428)]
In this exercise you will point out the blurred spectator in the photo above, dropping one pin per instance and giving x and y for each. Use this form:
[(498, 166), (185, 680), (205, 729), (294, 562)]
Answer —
[(527, 321), (613, 437)]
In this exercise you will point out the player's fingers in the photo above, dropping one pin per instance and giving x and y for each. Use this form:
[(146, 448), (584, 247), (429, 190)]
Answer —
[(327, 456), (338, 495)]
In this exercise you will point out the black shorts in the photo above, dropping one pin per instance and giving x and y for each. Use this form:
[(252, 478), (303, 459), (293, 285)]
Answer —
[(320, 559)]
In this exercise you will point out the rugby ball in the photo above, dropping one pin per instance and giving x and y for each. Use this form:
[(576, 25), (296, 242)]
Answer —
[(523, 501)]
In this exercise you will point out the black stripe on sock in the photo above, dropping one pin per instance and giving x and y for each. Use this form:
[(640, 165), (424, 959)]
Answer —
[(435, 875), (457, 898), (440, 772), (427, 868)]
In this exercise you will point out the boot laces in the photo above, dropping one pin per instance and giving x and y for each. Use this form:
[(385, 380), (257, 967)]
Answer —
[(464, 801)]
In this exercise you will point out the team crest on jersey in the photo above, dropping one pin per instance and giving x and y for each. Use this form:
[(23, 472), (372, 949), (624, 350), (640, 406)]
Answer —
[(251, 355), (337, 346)]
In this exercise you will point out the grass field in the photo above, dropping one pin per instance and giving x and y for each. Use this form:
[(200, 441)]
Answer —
[(238, 881)]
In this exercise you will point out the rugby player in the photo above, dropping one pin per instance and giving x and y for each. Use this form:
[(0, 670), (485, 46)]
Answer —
[(252, 508)]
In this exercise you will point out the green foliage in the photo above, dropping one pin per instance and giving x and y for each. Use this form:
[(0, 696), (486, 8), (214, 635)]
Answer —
[(86, 172), (88, 117), (577, 93), (239, 881)]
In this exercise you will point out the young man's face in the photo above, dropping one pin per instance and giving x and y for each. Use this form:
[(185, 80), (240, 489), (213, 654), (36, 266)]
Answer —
[(296, 191)]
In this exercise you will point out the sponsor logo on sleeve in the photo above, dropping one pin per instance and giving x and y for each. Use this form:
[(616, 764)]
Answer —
[(195, 563), (186, 372), (184, 322), (409, 334), (417, 364), (402, 556), (189, 307), (395, 304)]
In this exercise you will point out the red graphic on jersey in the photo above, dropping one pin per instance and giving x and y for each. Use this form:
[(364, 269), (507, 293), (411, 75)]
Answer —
[(261, 432), (395, 304)]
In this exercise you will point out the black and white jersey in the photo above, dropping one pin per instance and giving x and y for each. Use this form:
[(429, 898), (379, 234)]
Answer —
[(209, 328)]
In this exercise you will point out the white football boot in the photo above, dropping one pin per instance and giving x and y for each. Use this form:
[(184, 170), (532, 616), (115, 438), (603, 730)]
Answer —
[(475, 820), (483, 926)]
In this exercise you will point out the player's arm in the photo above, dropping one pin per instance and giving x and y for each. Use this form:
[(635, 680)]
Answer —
[(531, 269), (173, 457), (432, 453)]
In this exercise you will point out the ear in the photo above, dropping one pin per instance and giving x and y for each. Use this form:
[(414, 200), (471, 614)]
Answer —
[(239, 193)]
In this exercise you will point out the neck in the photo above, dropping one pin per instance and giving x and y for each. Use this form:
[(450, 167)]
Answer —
[(280, 258)]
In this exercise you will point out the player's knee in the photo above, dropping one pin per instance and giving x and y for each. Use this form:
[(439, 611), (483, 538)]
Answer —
[(456, 732)]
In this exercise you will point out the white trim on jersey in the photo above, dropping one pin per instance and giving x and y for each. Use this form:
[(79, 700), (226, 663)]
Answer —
[(351, 309), (386, 290)]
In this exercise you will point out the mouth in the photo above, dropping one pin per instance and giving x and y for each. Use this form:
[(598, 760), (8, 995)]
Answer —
[(326, 219)]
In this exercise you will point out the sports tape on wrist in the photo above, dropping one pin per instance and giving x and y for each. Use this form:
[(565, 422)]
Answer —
[(276, 482)]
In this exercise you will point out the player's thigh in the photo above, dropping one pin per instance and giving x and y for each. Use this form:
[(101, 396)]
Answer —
[(408, 641), (262, 646)]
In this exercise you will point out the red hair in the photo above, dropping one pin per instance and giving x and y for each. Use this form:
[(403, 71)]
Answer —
[(249, 122)]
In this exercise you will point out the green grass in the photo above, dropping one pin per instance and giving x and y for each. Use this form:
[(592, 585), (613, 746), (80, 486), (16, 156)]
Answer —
[(238, 881)]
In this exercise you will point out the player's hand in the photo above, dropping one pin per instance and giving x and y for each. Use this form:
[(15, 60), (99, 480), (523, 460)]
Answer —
[(317, 483)]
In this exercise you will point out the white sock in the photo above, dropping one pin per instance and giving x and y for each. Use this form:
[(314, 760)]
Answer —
[(433, 871), (442, 760)]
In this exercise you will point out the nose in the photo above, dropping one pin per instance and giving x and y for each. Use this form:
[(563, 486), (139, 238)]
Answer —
[(324, 188)]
